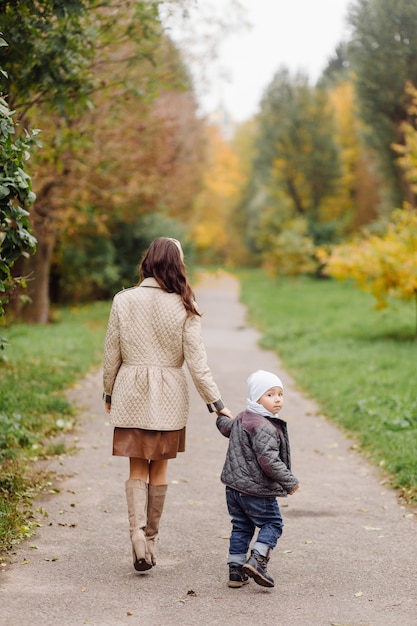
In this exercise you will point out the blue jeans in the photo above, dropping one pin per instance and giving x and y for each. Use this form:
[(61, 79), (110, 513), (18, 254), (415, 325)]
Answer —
[(248, 513)]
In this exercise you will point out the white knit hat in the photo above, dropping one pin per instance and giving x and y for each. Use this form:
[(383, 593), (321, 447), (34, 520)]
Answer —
[(259, 382)]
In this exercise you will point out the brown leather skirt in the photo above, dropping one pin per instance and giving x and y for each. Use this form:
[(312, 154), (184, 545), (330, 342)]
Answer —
[(153, 445)]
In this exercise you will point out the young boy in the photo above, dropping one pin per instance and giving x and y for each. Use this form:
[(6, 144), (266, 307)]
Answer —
[(257, 470)]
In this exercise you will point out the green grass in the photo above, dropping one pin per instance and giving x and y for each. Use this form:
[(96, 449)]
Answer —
[(360, 364), (40, 363)]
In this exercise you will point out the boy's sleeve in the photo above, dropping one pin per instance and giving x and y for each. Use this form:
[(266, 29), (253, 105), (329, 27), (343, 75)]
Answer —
[(224, 424), (266, 448)]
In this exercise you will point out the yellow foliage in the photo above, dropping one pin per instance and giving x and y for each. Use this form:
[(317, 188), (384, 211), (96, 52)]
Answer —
[(408, 151), (222, 184), (290, 255), (384, 266), (358, 190)]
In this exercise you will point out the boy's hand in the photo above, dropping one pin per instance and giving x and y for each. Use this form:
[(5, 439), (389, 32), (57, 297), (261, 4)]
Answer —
[(294, 490)]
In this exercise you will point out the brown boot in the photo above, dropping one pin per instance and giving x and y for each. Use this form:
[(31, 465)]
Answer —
[(156, 501), (137, 496)]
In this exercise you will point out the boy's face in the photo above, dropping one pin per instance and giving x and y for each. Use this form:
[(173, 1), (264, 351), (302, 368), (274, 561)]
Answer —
[(272, 400)]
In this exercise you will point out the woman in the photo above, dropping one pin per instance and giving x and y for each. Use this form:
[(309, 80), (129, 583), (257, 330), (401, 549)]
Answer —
[(153, 329)]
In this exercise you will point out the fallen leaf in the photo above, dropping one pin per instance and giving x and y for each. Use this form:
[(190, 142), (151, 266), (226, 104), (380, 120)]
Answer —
[(83, 589), (372, 528), (129, 613), (358, 594), (287, 551), (25, 562), (191, 592)]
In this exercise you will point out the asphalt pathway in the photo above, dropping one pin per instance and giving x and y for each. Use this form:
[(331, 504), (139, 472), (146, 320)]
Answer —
[(348, 555)]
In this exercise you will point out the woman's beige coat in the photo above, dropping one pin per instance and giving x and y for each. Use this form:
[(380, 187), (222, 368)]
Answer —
[(149, 337)]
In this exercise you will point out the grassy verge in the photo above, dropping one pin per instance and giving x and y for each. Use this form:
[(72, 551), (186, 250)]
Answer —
[(358, 363), (41, 362)]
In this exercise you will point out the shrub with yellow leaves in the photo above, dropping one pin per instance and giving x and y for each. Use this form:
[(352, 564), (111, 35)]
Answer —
[(385, 266)]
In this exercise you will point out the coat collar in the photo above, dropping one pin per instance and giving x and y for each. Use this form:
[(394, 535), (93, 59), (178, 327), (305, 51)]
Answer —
[(150, 282)]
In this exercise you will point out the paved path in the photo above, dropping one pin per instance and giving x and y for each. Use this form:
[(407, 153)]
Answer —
[(348, 555)]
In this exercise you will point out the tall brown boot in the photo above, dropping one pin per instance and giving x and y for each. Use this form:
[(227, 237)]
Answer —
[(137, 496), (156, 501)]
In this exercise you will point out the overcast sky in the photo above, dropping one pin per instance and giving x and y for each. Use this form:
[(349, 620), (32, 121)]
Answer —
[(297, 34)]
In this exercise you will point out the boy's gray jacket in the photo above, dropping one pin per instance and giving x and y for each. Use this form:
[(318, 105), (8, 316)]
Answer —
[(149, 337), (258, 460)]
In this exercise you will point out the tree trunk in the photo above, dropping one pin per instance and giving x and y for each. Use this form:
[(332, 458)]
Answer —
[(36, 269), (37, 310)]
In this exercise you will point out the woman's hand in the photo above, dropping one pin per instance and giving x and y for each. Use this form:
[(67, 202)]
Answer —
[(226, 412), (108, 406)]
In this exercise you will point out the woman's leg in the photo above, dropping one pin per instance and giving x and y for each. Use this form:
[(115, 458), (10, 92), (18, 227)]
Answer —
[(139, 469), (158, 472), (157, 489), (137, 503)]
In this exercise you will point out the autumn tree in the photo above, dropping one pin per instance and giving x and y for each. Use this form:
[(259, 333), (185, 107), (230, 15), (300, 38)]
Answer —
[(213, 206), (112, 48), (360, 186), (296, 170), (383, 56), (385, 263), (407, 152), (144, 159)]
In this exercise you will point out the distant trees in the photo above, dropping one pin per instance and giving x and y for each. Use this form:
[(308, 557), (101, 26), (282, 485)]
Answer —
[(125, 156), (296, 172), (213, 206), (326, 160), (385, 262)]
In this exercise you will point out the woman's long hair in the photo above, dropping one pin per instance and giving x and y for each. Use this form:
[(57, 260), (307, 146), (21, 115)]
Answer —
[(164, 261)]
